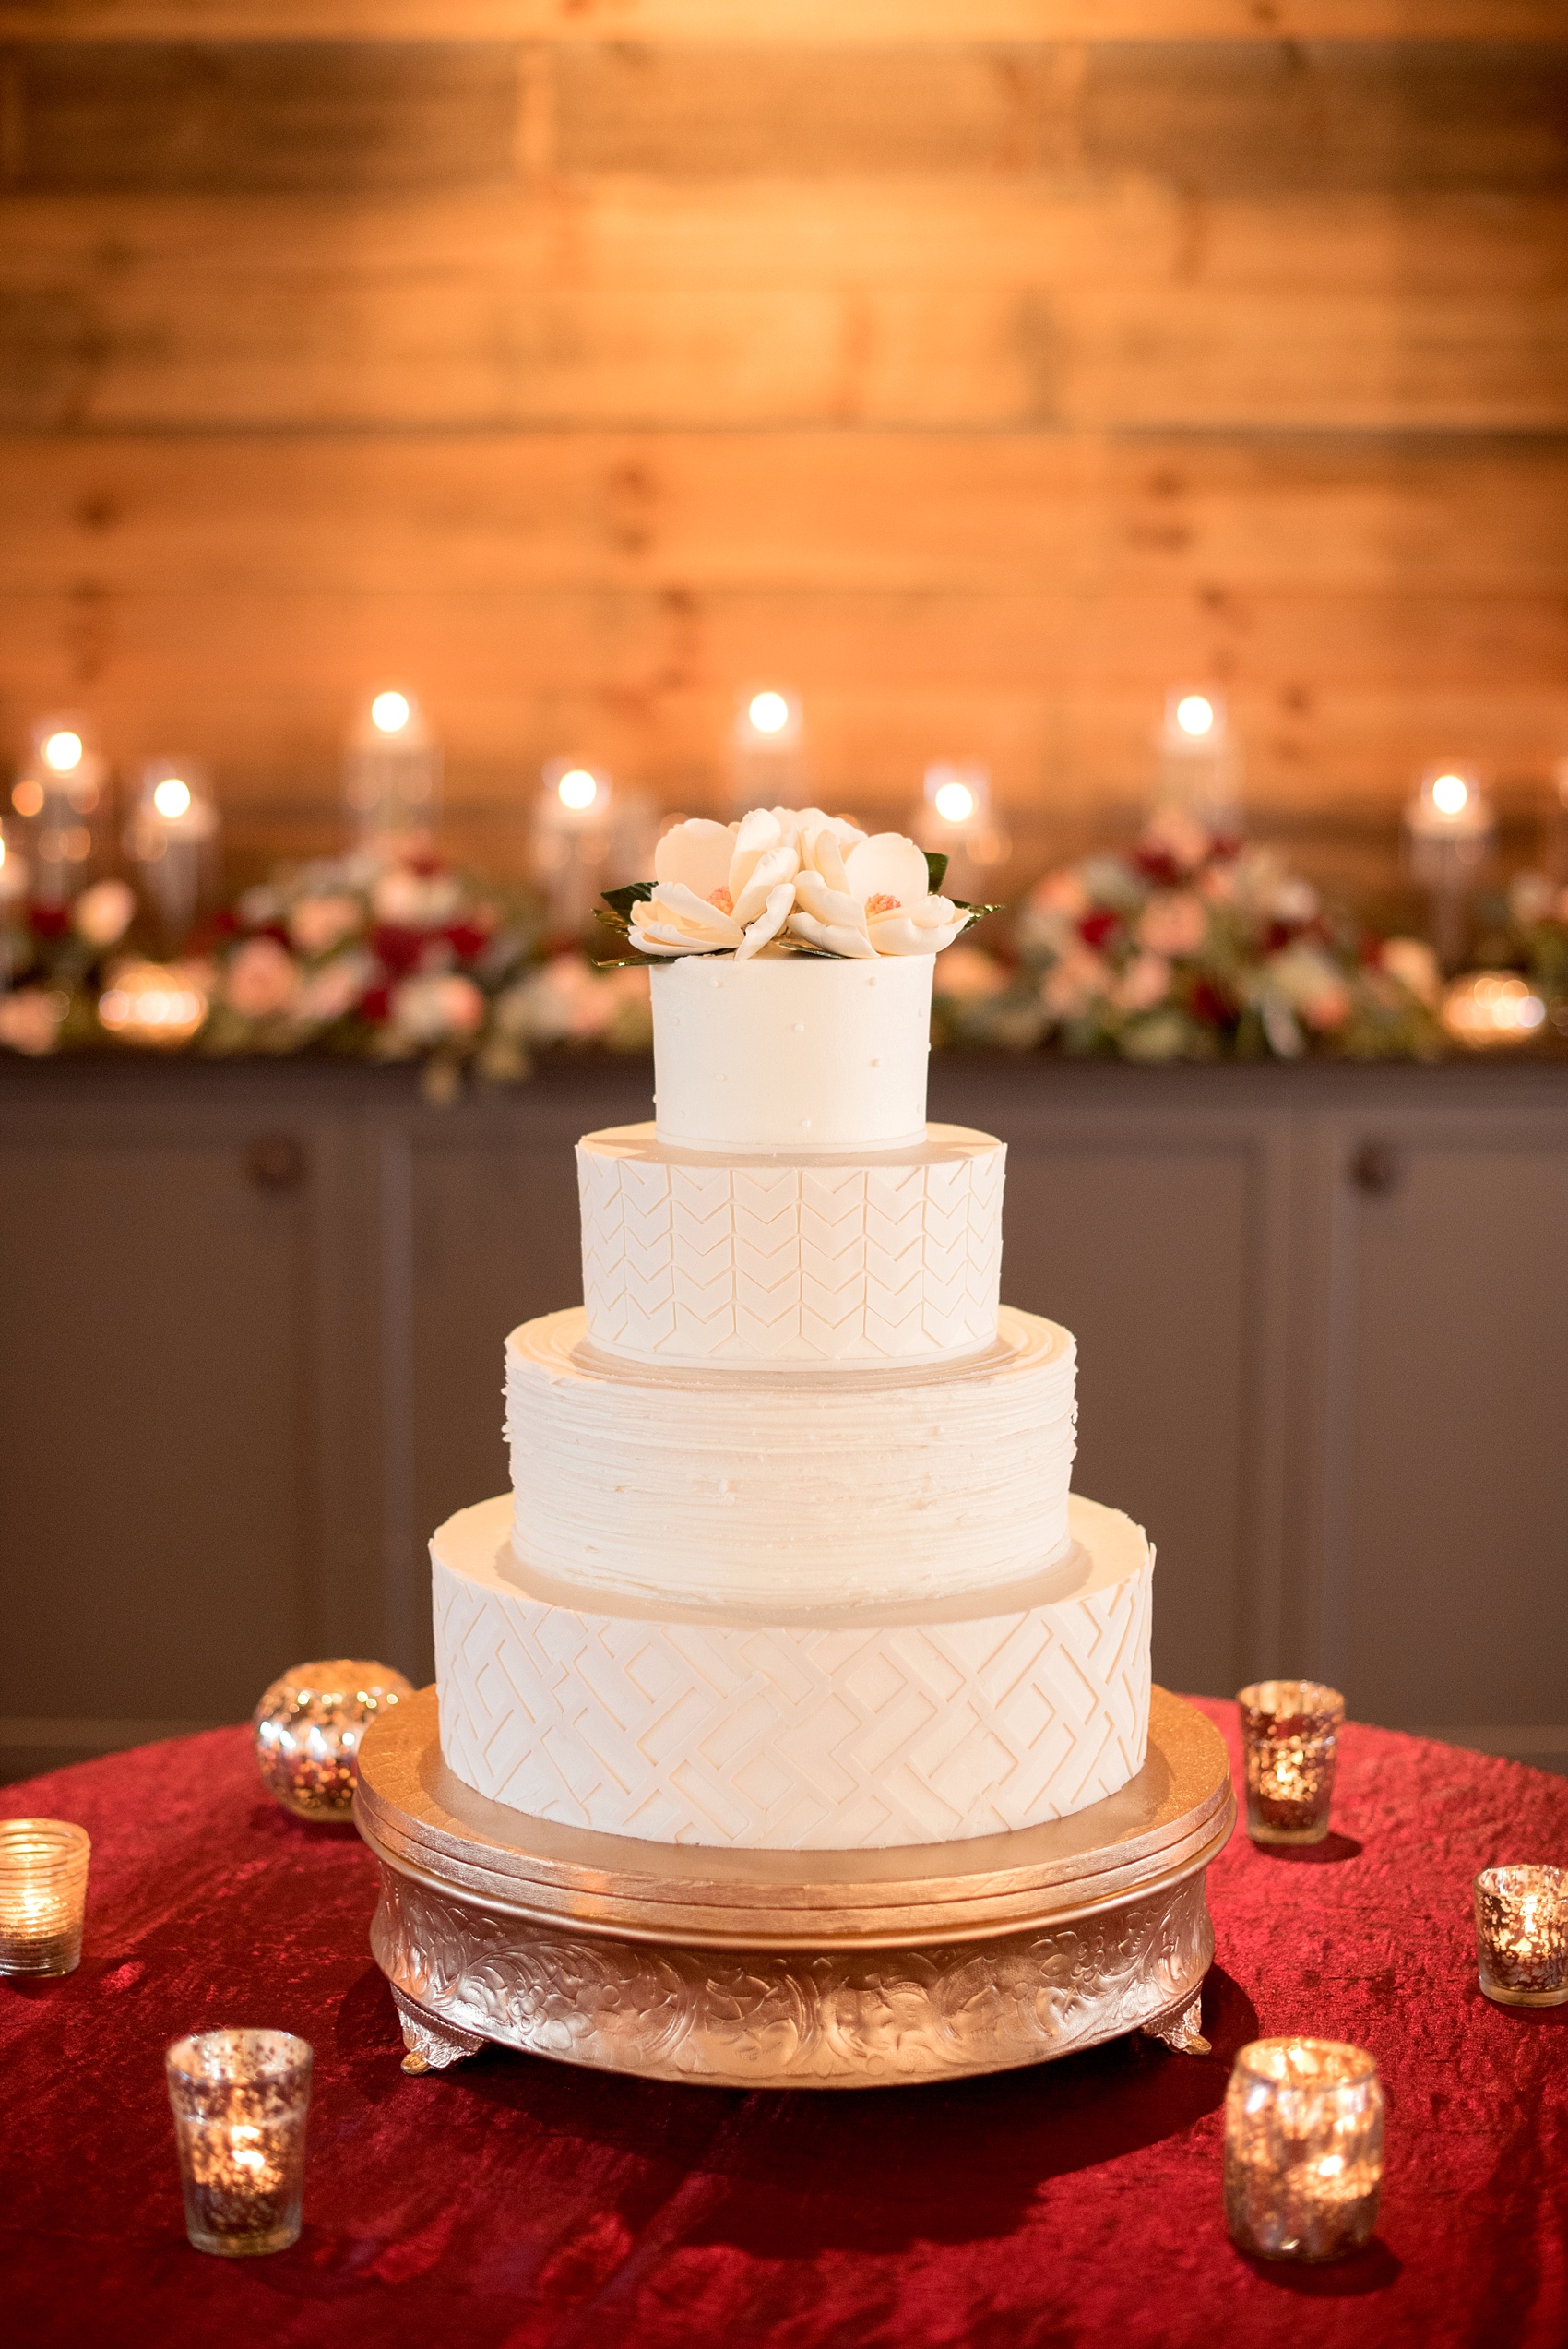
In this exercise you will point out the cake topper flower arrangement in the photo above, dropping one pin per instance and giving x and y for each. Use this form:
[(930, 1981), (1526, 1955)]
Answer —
[(791, 879)]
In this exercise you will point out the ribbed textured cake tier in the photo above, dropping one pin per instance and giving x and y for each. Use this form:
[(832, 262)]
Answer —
[(791, 1052), (837, 1735), (790, 1489), (688, 1259)]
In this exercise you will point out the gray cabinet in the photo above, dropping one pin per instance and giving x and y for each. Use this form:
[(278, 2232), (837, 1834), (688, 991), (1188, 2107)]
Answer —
[(252, 1321)]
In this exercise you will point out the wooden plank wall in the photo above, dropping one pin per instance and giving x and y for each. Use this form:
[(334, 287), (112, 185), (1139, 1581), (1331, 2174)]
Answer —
[(979, 367)]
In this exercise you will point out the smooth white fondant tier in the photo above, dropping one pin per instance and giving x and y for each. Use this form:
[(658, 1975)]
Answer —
[(835, 1733), (790, 1489), (776, 1261), (791, 1052)]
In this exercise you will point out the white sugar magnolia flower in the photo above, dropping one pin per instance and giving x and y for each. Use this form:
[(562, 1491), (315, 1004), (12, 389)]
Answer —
[(718, 887), (874, 898)]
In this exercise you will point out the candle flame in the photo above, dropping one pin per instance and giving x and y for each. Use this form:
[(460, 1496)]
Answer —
[(770, 713), (1450, 794), (63, 751), (172, 798)]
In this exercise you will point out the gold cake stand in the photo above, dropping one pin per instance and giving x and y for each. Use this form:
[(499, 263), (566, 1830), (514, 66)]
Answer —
[(792, 1969)]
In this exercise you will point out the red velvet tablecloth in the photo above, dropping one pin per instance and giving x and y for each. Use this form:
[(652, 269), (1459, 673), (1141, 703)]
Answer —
[(514, 2202)]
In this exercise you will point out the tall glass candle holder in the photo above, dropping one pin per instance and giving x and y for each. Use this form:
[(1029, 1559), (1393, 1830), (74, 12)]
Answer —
[(1522, 1935), (240, 2100), (43, 1865), (1290, 1743), (1303, 2149)]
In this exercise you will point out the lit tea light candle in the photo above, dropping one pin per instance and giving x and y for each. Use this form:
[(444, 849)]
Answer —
[(240, 2100), (308, 1727), (1290, 1743), (1490, 1009), (152, 1003), (1522, 1935), (1303, 2149), (43, 1865)]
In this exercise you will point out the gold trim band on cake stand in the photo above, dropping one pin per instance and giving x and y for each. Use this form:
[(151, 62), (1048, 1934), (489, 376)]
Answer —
[(780, 1968)]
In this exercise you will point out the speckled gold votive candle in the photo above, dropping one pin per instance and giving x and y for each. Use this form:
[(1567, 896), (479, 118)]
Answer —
[(1290, 1743), (240, 2099), (1522, 1935), (43, 1865), (1303, 2149)]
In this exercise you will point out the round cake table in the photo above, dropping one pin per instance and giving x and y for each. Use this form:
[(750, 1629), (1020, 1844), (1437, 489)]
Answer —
[(516, 2202)]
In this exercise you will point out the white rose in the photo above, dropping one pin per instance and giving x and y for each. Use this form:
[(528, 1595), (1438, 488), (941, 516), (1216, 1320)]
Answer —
[(718, 887), (102, 914), (329, 993), (1174, 922), (319, 924), (260, 978), (30, 1019), (1413, 963), (1305, 979), (1145, 983), (408, 901), (427, 1010), (875, 900)]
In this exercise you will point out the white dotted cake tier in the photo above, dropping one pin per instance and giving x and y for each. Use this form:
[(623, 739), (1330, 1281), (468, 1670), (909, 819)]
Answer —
[(692, 1259)]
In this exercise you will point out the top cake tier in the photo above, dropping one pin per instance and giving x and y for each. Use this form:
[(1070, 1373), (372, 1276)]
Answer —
[(791, 1053)]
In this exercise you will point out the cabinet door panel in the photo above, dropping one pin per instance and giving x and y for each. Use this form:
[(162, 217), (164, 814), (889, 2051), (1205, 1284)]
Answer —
[(495, 1241), (1143, 1252), (1456, 1595), (154, 1397)]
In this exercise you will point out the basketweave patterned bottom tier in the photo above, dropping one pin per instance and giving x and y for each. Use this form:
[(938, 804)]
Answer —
[(859, 1730), (770, 1970)]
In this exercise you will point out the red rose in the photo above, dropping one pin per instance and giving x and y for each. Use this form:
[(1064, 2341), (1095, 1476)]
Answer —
[(466, 939), (375, 1004), (1095, 928), (49, 920), (396, 949), (1209, 1006), (1157, 865)]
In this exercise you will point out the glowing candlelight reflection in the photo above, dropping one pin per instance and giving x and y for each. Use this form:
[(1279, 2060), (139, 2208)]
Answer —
[(43, 1865), (1522, 1935), (240, 2100), (1290, 1742), (1303, 2149)]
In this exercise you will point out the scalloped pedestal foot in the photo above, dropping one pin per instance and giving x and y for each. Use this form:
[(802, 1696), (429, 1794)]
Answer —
[(432, 2044), (1182, 2032)]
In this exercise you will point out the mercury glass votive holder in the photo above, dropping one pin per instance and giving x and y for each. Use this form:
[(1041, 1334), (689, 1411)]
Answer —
[(43, 1866), (1290, 1742), (308, 1727), (1303, 2149), (240, 2099), (1522, 1935)]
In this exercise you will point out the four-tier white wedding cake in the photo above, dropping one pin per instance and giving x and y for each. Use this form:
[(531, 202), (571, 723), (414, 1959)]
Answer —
[(789, 1560)]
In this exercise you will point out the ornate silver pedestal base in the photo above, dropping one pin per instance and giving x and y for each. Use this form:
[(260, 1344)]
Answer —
[(792, 1969)]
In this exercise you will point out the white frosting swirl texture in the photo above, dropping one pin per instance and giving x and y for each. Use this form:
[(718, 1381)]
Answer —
[(793, 1491)]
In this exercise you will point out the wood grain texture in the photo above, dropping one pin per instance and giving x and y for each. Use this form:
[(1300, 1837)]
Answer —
[(983, 513), (784, 23), (1112, 308), (976, 372)]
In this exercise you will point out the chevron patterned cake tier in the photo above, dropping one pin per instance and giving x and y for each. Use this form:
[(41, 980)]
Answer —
[(690, 1259), (828, 1732), (785, 1488)]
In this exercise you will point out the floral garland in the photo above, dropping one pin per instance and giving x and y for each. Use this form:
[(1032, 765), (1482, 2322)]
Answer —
[(380, 958), (1191, 946)]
